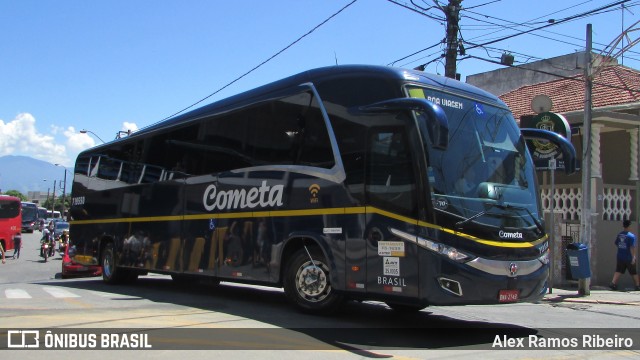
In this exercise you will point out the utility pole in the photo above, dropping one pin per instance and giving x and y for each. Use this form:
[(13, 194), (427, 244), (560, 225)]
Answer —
[(585, 219), (53, 199), (64, 190), (452, 13)]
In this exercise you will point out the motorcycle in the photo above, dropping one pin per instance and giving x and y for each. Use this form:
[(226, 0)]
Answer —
[(44, 250), (62, 245), (52, 248)]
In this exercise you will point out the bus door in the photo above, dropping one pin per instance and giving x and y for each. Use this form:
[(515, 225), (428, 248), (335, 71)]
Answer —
[(391, 192)]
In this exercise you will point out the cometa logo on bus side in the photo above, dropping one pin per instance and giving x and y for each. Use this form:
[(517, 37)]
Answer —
[(263, 196)]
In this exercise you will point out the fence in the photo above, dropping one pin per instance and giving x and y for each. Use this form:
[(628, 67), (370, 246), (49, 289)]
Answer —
[(617, 201)]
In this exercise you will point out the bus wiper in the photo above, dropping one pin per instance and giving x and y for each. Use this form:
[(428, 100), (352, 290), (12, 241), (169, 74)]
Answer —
[(462, 222), (504, 206), (535, 220)]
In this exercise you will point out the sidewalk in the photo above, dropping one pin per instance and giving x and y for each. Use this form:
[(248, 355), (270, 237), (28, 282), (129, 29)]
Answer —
[(598, 295)]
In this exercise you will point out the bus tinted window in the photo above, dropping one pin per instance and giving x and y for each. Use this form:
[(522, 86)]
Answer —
[(82, 165), (152, 174), (109, 169), (289, 131), (222, 142), (9, 209), (391, 184), (352, 142)]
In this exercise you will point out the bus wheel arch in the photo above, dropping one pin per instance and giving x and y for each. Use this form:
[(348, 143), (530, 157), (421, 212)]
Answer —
[(306, 278)]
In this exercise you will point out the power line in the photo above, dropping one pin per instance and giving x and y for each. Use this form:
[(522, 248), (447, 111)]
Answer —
[(487, 3), (417, 52), (262, 63), (553, 24), (546, 25), (422, 10), (632, 4)]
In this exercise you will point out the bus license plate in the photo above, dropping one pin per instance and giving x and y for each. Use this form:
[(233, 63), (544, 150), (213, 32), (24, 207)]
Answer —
[(508, 296)]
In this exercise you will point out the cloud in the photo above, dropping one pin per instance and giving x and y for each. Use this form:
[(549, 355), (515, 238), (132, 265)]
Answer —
[(77, 142), (127, 129), (20, 137), (126, 126)]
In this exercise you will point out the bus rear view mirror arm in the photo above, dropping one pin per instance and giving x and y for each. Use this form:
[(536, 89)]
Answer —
[(565, 146), (437, 125)]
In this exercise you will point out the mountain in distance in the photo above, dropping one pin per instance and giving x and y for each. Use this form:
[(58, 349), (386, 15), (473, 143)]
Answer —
[(25, 174)]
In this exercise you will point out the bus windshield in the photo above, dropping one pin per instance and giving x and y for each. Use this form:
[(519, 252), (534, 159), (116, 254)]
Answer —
[(42, 213), (29, 212), (485, 178)]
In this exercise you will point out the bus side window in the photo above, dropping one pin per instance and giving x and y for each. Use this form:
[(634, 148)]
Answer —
[(109, 169), (82, 165), (391, 183), (289, 131)]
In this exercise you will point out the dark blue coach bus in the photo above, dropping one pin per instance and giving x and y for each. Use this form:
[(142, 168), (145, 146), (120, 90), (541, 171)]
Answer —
[(346, 182)]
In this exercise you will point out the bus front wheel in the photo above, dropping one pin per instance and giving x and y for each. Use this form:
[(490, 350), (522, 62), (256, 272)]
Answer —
[(307, 283)]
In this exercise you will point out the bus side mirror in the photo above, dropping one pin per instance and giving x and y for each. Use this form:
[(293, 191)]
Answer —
[(565, 146), (436, 124)]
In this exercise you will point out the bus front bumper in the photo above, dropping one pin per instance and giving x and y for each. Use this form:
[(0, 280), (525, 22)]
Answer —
[(483, 281)]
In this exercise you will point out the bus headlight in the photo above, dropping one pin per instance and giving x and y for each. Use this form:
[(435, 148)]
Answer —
[(438, 248), (444, 250)]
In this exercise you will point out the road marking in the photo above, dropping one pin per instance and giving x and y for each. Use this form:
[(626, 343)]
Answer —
[(16, 294), (59, 293), (103, 294)]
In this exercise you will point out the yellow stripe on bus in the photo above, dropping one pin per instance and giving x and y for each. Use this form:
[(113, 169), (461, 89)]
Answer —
[(311, 212)]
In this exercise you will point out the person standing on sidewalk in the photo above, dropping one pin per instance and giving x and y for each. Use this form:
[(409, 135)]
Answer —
[(626, 256)]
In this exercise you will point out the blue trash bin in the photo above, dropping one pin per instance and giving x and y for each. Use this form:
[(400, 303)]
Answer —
[(578, 261)]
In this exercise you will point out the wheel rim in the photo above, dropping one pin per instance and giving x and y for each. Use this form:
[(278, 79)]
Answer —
[(312, 282), (106, 265)]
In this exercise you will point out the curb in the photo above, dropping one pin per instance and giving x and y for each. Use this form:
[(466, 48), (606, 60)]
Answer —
[(588, 300)]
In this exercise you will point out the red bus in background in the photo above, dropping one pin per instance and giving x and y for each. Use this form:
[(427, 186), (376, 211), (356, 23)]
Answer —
[(10, 221)]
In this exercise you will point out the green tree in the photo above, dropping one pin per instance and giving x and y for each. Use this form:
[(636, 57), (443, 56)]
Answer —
[(17, 194), (58, 203)]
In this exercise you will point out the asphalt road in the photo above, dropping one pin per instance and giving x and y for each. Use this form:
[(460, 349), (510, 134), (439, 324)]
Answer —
[(240, 320)]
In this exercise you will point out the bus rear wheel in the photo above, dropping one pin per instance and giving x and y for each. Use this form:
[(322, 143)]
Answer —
[(307, 283), (111, 274)]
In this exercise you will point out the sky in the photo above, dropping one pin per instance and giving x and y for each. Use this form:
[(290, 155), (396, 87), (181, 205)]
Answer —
[(115, 65)]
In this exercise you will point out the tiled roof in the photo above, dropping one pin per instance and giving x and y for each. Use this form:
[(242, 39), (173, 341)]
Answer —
[(614, 85)]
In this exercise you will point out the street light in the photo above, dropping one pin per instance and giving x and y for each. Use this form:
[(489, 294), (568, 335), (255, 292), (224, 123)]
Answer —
[(64, 188), (84, 131)]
